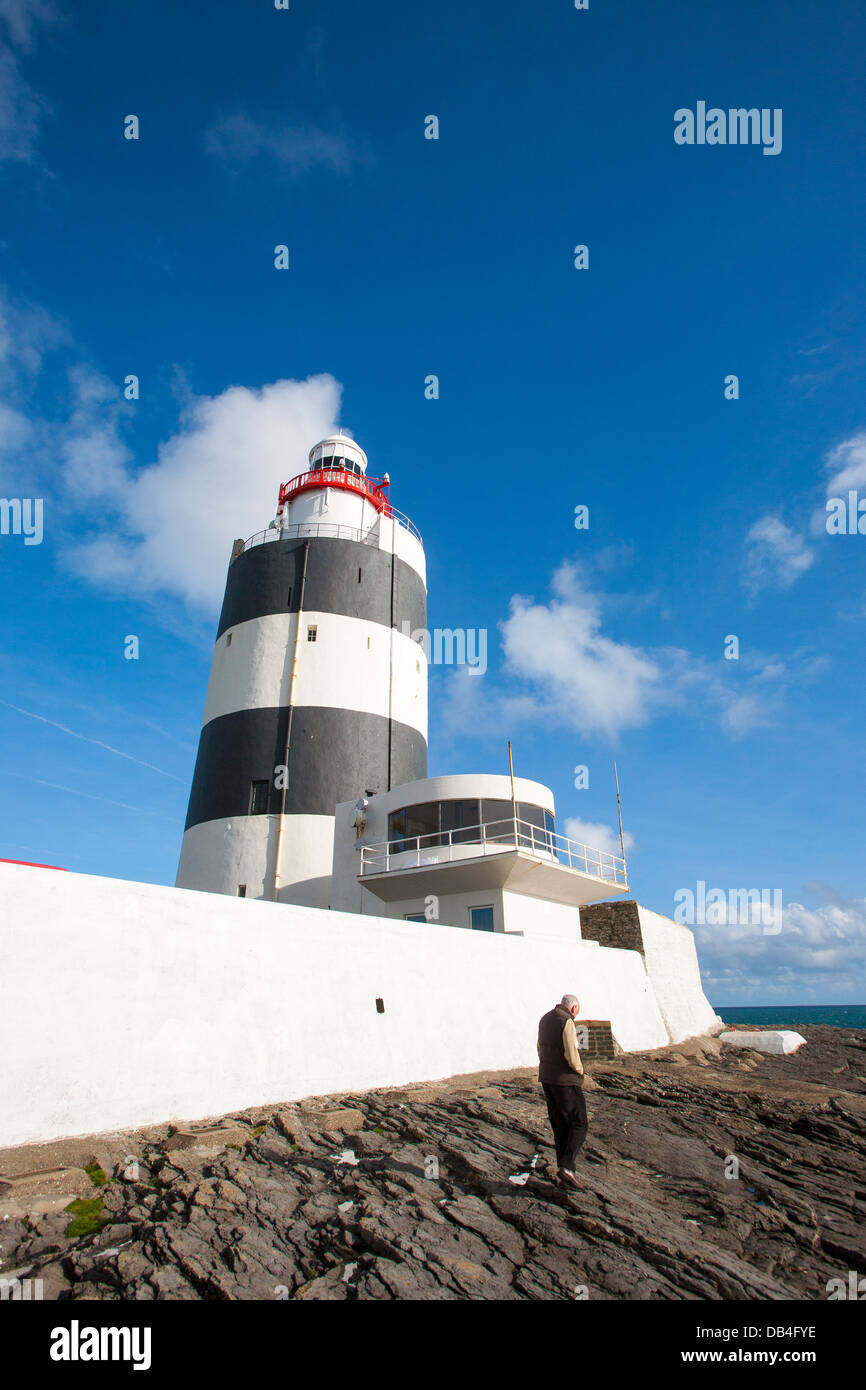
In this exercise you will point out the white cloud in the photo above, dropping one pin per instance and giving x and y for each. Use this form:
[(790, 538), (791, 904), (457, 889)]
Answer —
[(775, 556), (563, 671), (816, 955), (165, 528), (846, 466), (21, 18), (237, 139), (21, 108), (597, 836), (596, 684), (168, 528), (27, 333)]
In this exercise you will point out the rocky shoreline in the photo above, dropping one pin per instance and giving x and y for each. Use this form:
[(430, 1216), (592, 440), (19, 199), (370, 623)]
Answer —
[(442, 1190)]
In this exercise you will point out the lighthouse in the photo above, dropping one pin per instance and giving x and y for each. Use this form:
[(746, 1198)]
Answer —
[(317, 692)]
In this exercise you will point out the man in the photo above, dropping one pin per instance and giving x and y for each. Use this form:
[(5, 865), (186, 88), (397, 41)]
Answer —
[(560, 1072)]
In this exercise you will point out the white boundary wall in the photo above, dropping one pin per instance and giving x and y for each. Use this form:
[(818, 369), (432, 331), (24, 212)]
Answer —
[(672, 964), (126, 1004)]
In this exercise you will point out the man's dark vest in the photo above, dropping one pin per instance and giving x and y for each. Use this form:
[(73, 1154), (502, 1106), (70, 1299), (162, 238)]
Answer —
[(552, 1066)]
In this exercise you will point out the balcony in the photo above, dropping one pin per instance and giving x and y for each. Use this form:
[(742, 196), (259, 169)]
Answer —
[(511, 854)]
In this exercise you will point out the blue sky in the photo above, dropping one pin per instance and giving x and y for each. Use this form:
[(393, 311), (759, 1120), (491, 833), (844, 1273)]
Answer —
[(558, 387)]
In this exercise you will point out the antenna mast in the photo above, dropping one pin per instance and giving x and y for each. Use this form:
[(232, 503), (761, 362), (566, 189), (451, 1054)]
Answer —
[(619, 812)]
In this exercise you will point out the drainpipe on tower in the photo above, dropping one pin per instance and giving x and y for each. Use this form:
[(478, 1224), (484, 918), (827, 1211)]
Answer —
[(276, 890)]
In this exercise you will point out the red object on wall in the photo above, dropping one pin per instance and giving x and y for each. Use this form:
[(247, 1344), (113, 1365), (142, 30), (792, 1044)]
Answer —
[(27, 865)]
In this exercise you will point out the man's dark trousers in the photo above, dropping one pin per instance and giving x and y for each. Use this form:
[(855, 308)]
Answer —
[(566, 1108)]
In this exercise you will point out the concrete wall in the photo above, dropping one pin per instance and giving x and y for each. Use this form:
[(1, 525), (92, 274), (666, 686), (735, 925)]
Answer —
[(672, 965), (126, 1004), (541, 920)]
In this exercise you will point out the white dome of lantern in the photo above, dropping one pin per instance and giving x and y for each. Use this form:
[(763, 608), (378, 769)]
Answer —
[(338, 451)]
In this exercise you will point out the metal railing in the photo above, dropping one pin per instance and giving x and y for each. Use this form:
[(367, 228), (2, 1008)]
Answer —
[(492, 837), (328, 528), (371, 489), (314, 528)]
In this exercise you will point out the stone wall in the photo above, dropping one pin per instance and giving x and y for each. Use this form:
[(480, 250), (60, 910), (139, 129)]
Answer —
[(612, 924)]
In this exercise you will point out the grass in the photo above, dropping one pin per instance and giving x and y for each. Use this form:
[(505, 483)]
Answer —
[(96, 1174), (86, 1217)]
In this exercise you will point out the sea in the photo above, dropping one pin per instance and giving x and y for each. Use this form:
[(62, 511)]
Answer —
[(793, 1015)]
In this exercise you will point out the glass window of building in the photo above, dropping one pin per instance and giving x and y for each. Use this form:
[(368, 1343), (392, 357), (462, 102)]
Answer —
[(481, 918), (422, 823), (415, 827), (498, 818), (531, 816), (459, 817)]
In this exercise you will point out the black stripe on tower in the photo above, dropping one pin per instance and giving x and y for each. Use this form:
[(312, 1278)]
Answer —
[(336, 755), (267, 579)]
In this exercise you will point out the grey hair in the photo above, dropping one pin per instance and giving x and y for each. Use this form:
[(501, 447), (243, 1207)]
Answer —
[(569, 1001)]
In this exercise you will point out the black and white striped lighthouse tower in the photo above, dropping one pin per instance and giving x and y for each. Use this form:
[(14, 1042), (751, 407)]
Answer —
[(317, 692)]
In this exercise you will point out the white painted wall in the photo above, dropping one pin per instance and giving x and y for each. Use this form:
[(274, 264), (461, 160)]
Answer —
[(334, 505), (347, 667), (217, 855), (127, 1004), (672, 965), (453, 908), (541, 920)]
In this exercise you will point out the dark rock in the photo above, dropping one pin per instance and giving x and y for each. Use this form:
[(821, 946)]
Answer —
[(429, 1212)]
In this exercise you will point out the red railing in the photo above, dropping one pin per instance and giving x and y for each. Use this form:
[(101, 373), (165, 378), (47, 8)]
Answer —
[(370, 488)]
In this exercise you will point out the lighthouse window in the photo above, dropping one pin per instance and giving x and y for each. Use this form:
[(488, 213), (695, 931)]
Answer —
[(259, 798), (311, 634), (228, 639)]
